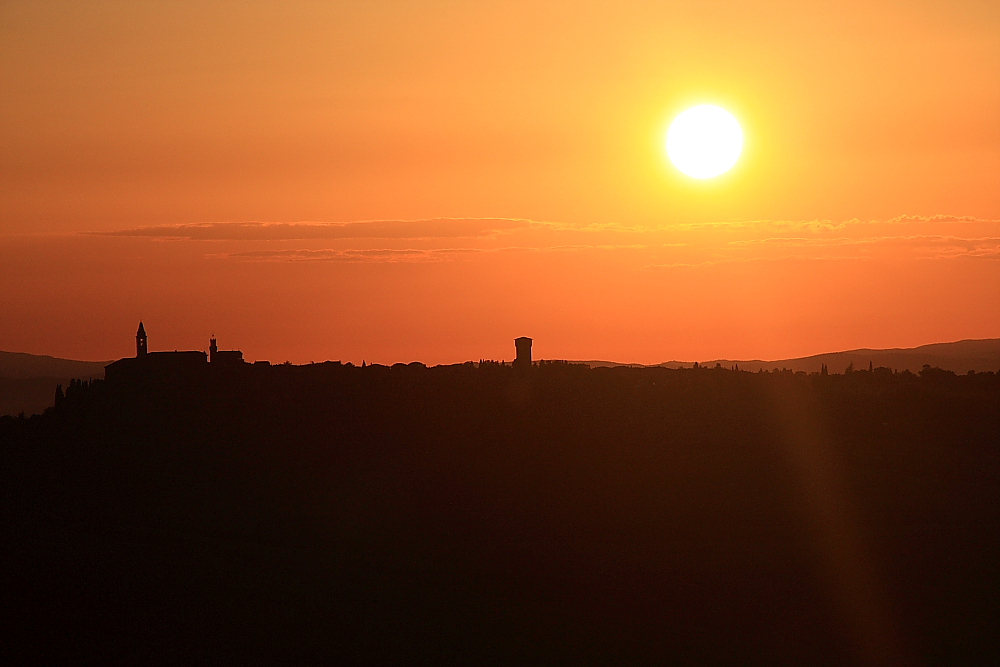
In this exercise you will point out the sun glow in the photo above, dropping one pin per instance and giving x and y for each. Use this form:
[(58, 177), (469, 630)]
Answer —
[(704, 141)]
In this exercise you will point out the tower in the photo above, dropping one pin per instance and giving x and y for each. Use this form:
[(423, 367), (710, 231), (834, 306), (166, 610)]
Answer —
[(523, 347), (141, 344), (212, 349)]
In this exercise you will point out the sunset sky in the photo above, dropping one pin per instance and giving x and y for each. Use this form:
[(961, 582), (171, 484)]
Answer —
[(397, 181)]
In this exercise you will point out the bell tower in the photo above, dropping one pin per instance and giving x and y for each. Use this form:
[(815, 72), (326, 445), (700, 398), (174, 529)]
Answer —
[(141, 345), (213, 348)]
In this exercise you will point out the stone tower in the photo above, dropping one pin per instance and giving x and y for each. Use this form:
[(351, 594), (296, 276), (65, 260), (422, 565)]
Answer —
[(523, 347)]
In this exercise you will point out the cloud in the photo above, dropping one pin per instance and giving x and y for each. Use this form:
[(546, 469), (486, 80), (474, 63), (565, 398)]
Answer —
[(815, 226), (571, 248), (370, 229), (397, 254), (940, 245), (797, 241), (662, 246), (492, 227), (824, 226), (938, 218), (753, 260), (376, 255)]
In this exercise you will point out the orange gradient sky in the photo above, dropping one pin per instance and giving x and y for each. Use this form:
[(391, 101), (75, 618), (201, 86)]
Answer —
[(427, 180)]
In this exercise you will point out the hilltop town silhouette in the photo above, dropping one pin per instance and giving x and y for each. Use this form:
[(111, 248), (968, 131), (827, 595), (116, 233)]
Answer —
[(198, 508), (146, 364)]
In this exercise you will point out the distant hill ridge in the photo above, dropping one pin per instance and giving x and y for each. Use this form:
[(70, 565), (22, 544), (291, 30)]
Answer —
[(960, 356), (28, 381), (22, 365)]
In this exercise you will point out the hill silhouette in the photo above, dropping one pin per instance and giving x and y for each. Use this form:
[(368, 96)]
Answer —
[(491, 515), (28, 381), (960, 357), (24, 366)]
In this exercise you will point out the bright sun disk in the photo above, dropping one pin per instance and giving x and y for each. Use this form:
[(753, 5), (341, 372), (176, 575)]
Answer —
[(704, 141)]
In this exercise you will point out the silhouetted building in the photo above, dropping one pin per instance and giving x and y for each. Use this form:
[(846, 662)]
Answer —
[(160, 364), (223, 357), (523, 347)]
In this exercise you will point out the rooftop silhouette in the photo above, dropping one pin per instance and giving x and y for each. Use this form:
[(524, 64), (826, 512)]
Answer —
[(169, 363)]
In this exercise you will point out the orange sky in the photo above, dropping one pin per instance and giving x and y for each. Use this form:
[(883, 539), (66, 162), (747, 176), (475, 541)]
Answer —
[(154, 154)]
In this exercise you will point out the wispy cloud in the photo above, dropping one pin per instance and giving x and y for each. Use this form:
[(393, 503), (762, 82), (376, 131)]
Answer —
[(938, 218), (936, 245), (752, 260), (825, 226), (397, 254), (369, 229), (673, 245), (375, 255)]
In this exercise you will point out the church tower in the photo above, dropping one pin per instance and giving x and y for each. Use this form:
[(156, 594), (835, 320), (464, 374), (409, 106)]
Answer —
[(140, 341), (213, 349)]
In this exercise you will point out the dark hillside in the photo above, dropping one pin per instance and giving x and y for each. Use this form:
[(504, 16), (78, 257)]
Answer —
[(960, 357), (28, 381), (328, 513), (24, 366)]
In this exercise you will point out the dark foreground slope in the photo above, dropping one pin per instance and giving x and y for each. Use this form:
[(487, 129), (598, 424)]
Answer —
[(331, 514)]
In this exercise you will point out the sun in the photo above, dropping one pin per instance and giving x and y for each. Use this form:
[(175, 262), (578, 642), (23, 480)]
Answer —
[(704, 141)]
